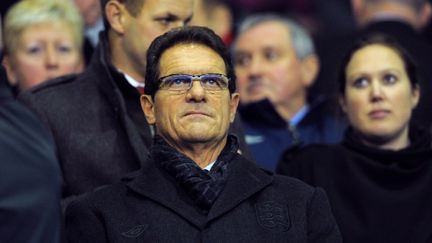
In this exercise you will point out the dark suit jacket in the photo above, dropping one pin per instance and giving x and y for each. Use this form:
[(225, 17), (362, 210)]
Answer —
[(332, 51), (97, 122), (30, 179), (254, 206)]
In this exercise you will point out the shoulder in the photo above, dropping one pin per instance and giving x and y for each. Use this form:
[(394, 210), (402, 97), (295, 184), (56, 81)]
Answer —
[(103, 199), (68, 94), (309, 158), (65, 85), (85, 216), (312, 152), (277, 185), (293, 185)]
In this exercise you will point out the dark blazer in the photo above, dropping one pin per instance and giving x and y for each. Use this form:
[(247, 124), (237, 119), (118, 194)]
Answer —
[(97, 123), (254, 206), (30, 179)]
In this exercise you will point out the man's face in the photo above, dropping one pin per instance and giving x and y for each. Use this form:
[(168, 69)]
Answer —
[(267, 65), (197, 116), (156, 17)]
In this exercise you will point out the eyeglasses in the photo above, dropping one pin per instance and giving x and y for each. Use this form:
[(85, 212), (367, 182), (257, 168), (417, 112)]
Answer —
[(183, 82)]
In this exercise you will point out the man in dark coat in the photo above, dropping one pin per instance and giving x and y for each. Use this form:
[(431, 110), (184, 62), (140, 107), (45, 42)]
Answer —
[(274, 75), (30, 175), (95, 117), (196, 186)]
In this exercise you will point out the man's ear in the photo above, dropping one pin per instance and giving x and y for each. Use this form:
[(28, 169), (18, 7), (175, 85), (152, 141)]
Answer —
[(309, 70), (235, 98), (116, 12), (10, 73), (147, 106)]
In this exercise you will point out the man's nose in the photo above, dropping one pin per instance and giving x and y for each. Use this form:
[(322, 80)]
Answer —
[(255, 69), (196, 92), (256, 66)]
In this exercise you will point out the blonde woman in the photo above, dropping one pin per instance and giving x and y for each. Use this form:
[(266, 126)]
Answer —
[(43, 40)]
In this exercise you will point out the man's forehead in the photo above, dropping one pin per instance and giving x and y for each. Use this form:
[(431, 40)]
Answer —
[(191, 58), (251, 38)]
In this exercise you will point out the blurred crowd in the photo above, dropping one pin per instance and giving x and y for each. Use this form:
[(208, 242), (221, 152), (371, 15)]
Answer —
[(335, 93)]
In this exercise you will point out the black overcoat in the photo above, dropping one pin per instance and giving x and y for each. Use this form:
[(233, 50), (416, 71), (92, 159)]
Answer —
[(254, 206)]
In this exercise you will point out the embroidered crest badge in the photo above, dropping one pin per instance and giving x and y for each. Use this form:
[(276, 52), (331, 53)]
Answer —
[(273, 216)]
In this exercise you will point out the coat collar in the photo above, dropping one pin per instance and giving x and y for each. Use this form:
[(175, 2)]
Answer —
[(263, 113), (245, 180), (106, 77)]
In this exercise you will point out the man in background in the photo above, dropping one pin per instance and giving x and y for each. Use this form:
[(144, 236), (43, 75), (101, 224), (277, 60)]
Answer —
[(275, 65), (91, 13)]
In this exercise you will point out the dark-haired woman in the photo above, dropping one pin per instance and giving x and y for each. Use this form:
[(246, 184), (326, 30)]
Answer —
[(379, 179)]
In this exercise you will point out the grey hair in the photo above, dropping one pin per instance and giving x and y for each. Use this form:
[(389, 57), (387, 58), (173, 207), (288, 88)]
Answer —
[(301, 39)]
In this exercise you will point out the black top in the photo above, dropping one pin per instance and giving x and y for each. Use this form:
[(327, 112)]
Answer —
[(376, 195)]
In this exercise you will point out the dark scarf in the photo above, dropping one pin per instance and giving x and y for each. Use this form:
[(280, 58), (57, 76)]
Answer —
[(202, 186)]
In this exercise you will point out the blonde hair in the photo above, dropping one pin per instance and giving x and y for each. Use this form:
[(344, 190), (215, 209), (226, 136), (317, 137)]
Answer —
[(27, 13)]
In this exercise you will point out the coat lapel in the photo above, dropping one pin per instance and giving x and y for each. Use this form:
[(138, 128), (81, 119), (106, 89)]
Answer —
[(108, 87), (157, 185), (245, 180)]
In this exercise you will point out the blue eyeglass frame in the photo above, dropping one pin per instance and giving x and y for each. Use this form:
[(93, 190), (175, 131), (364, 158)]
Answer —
[(199, 78)]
